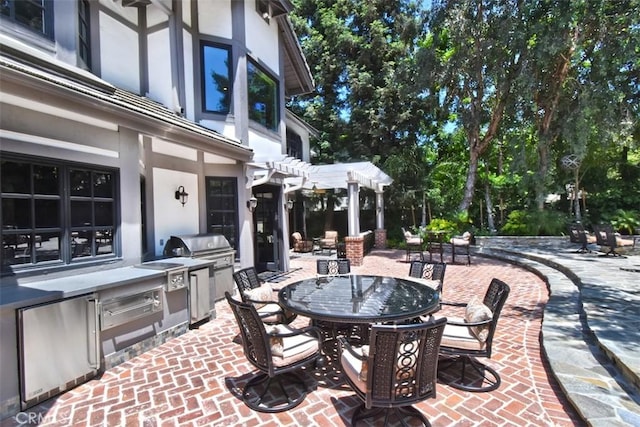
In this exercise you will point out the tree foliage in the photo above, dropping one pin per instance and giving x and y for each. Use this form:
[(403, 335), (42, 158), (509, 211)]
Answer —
[(471, 105)]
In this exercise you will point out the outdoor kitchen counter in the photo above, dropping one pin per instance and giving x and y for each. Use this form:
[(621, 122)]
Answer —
[(14, 296)]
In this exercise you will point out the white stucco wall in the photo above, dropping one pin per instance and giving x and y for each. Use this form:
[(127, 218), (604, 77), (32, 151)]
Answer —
[(157, 16), (160, 82), (186, 12), (262, 37), (214, 18), (170, 216), (189, 85), (263, 146), (119, 42)]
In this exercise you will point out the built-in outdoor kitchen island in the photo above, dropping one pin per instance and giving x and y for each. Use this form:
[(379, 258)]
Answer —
[(60, 332)]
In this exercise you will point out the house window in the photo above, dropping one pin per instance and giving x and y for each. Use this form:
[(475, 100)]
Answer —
[(263, 97), (84, 41), (294, 145), (34, 14), (216, 78), (222, 208), (262, 7), (55, 212)]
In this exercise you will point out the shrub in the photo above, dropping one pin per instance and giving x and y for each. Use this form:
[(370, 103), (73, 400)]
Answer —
[(534, 223), (626, 222)]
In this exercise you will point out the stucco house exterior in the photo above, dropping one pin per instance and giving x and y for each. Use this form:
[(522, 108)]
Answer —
[(124, 123)]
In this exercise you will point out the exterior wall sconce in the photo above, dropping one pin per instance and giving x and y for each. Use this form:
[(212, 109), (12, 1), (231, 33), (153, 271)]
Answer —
[(181, 195), (252, 203), (289, 204)]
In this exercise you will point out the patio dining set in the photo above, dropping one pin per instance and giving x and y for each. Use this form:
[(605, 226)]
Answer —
[(391, 339)]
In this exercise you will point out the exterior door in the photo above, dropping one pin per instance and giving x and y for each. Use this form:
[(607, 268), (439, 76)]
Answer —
[(267, 230)]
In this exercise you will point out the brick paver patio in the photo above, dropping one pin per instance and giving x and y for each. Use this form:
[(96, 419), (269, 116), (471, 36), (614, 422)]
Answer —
[(193, 380)]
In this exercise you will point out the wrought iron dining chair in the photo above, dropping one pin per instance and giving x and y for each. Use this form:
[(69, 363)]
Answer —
[(332, 267), (413, 243), (435, 244), (460, 245), (277, 351), (395, 371), (465, 339), (253, 290), (429, 271)]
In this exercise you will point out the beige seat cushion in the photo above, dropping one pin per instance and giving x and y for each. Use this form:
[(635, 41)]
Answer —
[(355, 368), (476, 311), (288, 350), (270, 312), (460, 337)]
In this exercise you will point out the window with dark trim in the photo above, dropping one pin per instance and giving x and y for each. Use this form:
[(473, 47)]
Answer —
[(84, 33), (36, 15), (55, 212), (222, 208), (216, 78), (263, 96), (262, 7)]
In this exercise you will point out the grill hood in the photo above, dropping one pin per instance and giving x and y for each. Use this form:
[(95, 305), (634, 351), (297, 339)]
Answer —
[(195, 244)]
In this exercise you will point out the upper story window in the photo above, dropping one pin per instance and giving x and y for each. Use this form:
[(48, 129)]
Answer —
[(262, 7), (294, 145), (34, 14), (263, 97), (54, 212), (216, 78), (84, 33)]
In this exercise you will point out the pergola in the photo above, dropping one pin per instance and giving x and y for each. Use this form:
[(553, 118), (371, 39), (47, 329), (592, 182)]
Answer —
[(297, 174)]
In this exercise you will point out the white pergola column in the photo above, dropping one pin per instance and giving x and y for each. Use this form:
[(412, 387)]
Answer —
[(354, 208), (379, 209)]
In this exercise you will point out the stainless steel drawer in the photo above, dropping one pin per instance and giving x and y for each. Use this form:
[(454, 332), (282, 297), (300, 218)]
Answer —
[(126, 308)]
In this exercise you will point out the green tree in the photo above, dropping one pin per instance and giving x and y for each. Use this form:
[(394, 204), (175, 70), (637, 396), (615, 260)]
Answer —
[(470, 60), (365, 105)]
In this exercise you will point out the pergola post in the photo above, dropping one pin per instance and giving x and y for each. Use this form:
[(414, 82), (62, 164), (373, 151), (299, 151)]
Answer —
[(354, 207), (380, 232)]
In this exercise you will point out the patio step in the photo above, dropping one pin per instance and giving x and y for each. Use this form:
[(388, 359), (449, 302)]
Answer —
[(598, 375)]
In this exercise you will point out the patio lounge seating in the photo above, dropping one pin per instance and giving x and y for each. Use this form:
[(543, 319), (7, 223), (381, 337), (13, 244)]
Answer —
[(413, 244), (465, 339), (252, 290), (577, 234), (329, 241), (397, 370), (300, 245), (276, 351), (609, 241)]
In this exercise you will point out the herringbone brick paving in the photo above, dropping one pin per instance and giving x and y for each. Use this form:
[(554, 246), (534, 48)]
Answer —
[(194, 380)]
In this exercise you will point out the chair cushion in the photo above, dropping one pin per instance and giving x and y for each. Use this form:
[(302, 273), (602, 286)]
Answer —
[(355, 368), (288, 350), (476, 311), (456, 336), (263, 292), (270, 312)]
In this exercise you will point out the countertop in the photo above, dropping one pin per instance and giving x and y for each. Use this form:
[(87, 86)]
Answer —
[(78, 283)]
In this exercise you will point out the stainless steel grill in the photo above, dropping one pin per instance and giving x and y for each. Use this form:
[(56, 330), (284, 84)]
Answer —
[(197, 246), (207, 284)]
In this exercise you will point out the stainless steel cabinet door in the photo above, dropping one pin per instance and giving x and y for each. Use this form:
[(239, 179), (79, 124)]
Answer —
[(58, 347)]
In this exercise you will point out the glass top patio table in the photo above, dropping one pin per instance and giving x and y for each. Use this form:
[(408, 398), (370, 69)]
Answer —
[(359, 298)]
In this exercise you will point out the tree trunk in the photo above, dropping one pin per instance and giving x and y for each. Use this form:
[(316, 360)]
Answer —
[(470, 184), (487, 198)]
